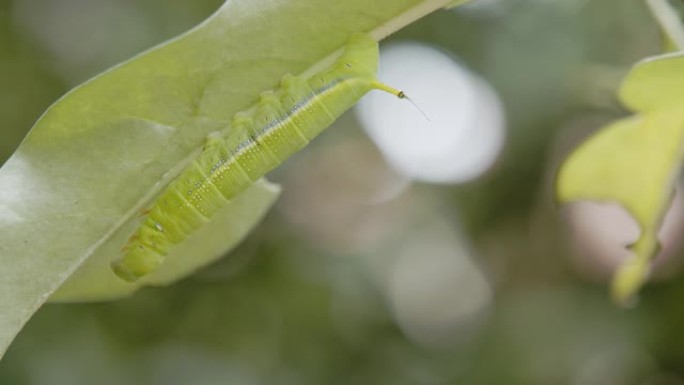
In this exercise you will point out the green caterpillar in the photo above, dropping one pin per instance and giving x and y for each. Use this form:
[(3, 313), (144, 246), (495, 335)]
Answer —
[(259, 139)]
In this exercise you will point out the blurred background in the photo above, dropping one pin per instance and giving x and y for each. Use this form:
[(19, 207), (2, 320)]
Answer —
[(405, 249)]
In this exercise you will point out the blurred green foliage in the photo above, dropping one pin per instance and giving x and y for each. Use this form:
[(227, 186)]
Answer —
[(293, 305)]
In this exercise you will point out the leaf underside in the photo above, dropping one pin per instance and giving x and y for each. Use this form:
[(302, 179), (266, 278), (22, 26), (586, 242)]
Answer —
[(72, 192)]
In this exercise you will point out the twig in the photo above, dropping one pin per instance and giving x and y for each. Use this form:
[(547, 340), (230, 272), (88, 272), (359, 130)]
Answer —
[(669, 21)]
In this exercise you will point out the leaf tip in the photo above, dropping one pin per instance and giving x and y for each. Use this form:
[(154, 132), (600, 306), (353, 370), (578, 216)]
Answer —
[(627, 282)]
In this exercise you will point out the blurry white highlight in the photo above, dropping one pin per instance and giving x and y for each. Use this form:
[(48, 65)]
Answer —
[(465, 131), (438, 294)]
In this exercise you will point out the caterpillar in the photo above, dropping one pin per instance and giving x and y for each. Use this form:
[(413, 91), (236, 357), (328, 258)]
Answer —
[(283, 121)]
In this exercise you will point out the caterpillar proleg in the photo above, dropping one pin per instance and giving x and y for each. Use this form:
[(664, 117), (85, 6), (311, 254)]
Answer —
[(282, 122)]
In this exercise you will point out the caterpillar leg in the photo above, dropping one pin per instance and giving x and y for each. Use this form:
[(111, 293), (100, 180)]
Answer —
[(138, 262)]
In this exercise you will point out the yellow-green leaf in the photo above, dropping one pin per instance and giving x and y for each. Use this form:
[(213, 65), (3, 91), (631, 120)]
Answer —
[(654, 83), (635, 161)]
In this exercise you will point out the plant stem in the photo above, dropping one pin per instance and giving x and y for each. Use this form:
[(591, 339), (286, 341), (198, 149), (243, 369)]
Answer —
[(408, 17), (669, 21)]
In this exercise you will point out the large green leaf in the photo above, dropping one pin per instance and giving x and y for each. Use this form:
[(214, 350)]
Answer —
[(74, 188), (635, 161)]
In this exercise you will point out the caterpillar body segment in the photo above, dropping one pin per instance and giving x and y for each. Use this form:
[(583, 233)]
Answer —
[(282, 122)]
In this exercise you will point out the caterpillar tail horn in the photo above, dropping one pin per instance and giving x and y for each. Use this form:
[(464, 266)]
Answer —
[(400, 94)]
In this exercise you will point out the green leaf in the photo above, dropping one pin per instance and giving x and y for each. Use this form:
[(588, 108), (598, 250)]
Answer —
[(635, 161), (74, 188)]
